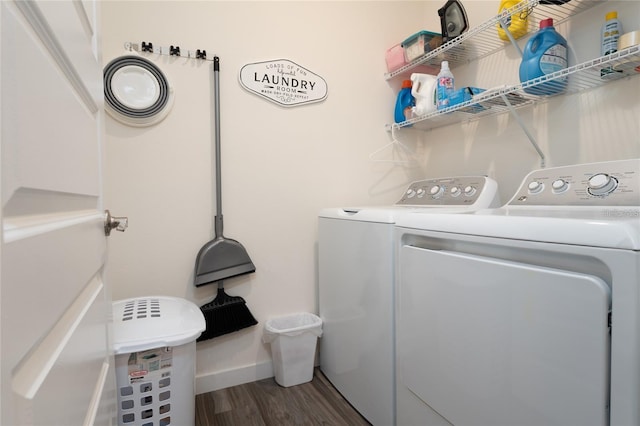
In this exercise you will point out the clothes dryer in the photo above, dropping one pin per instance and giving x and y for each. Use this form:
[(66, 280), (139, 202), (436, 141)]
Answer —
[(356, 287), (528, 314)]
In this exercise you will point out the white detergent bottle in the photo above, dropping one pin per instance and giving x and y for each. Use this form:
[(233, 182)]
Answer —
[(423, 90)]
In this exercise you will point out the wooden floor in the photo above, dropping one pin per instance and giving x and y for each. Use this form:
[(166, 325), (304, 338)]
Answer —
[(266, 403)]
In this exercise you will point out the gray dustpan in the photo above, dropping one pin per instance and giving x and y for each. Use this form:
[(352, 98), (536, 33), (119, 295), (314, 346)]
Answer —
[(222, 257)]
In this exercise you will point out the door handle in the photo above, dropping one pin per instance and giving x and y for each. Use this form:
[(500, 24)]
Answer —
[(114, 222)]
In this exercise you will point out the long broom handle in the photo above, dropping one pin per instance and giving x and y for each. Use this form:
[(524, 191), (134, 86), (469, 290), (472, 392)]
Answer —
[(218, 186)]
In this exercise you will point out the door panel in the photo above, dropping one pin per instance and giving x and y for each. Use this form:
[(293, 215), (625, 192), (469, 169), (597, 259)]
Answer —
[(49, 133), (54, 306), (72, 352), (73, 25), (45, 273), (484, 341)]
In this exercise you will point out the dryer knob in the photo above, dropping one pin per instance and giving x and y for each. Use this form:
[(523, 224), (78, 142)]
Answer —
[(469, 191), (535, 187), (560, 185), (455, 191), (436, 191), (410, 193), (601, 184)]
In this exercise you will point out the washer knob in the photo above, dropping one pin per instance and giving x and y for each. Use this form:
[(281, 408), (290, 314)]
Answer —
[(420, 192), (436, 191), (601, 184), (455, 191), (469, 191), (410, 193), (559, 185), (535, 187)]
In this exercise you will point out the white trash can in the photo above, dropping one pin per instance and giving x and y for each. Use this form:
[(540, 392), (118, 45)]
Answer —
[(154, 340), (293, 341)]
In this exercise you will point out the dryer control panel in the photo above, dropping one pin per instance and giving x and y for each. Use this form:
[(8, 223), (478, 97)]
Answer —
[(610, 183), (453, 191)]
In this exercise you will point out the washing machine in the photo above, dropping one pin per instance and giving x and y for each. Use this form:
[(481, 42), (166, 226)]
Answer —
[(356, 287), (528, 314)]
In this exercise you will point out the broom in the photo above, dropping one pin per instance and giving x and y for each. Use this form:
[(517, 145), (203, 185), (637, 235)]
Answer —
[(225, 314), (222, 257)]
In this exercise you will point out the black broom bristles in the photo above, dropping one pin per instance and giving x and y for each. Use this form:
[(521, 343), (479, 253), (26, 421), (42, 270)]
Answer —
[(225, 314)]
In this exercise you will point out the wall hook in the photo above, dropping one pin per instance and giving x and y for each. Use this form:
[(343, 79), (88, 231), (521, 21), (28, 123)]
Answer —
[(144, 47)]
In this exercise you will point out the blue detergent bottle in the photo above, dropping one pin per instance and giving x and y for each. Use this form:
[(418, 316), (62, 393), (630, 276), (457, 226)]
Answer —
[(544, 53), (404, 102)]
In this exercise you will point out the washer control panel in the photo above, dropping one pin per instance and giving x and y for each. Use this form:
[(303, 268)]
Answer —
[(454, 191), (610, 183)]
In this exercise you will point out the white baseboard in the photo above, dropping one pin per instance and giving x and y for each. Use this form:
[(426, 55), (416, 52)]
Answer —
[(209, 382)]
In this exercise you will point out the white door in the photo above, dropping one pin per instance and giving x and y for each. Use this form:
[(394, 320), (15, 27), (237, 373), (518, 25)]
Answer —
[(54, 306)]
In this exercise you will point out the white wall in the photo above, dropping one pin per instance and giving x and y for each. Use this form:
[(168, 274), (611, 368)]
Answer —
[(281, 165)]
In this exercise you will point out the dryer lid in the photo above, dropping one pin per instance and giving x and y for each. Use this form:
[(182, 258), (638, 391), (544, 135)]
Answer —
[(614, 228)]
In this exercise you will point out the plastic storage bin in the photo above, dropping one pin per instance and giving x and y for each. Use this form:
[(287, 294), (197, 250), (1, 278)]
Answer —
[(420, 43), (395, 58), (154, 342), (293, 347)]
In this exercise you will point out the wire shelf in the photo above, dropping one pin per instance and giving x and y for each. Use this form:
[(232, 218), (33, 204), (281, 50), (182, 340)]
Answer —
[(482, 40), (588, 75)]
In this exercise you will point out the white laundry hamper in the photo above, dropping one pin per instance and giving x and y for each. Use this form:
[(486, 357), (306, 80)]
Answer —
[(154, 340)]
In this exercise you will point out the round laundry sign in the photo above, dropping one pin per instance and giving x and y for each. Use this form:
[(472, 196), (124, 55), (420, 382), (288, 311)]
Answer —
[(283, 82)]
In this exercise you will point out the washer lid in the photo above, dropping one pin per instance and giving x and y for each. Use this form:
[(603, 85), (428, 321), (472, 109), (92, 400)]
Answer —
[(596, 227), (389, 214), (154, 322)]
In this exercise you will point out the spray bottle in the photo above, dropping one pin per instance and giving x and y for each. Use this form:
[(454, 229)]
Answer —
[(445, 85)]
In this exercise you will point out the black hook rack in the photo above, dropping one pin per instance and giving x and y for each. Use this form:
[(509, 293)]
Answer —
[(163, 50)]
